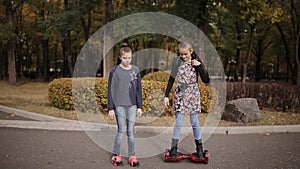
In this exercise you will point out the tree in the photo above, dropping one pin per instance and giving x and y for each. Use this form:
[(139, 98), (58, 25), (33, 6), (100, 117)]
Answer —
[(228, 34), (108, 36), (260, 48), (86, 9), (44, 41), (242, 32), (295, 19), (287, 20), (254, 12), (10, 44)]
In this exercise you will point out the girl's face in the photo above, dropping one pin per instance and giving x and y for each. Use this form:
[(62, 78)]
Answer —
[(126, 59), (186, 54)]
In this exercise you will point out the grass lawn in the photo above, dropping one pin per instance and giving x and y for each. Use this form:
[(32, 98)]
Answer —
[(33, 97)]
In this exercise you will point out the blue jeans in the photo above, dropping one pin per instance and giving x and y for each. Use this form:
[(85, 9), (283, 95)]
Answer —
[(125, 117), (179, 123)]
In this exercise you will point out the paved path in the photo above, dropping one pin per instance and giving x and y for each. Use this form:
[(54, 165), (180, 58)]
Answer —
[(29, 140), (51, 149)]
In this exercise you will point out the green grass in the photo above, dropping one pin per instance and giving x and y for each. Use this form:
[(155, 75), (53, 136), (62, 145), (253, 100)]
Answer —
[(33, 97)]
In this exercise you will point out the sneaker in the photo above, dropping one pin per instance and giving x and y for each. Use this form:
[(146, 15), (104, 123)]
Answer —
[(133, 161), (116, 160)]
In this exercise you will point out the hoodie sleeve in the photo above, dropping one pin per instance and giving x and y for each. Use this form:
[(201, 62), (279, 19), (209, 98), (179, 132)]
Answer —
[(111, 105), (173, 74), (203, 73), (139, 97)]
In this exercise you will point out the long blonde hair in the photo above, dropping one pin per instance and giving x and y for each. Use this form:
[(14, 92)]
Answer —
[(185, 44)]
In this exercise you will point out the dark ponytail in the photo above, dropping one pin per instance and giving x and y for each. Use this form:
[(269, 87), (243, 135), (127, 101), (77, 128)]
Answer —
[(124, 49)]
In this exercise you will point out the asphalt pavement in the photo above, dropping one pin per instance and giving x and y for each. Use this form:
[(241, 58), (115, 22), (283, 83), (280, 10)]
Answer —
[(29, 140), (51, 149)]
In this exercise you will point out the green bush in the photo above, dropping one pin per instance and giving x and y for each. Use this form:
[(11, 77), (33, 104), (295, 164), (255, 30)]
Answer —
[(60, 93), (160, 76), (92, 98), (275, 96), (88, 97)]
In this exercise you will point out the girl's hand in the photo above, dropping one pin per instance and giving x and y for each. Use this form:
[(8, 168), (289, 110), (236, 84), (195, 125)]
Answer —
[(167, 103), (111, 114), (196, 63), (139, 112)]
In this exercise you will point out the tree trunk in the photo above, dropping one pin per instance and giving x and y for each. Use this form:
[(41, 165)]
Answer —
[(237, 56), (108, 54), (287, 50), (245, 63), (296, 35), (236, 65), (10, 45), (261, 47), (45, 46), (67, 44), (11, 64), (2, 64), (259, 53), (18, 45), (87, 24), (135, 48), (237, 52), (297, 58), (258, 68), (69, 53), (65, 71), (202, 14)]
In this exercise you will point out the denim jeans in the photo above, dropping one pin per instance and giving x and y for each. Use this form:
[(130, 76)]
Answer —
[(179, 123), (125, 117)]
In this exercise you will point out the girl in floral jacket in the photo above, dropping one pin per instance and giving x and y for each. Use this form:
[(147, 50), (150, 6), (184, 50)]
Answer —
[(187, 95)]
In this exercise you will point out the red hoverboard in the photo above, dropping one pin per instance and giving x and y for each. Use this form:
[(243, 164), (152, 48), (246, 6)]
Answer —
[(192, 157)]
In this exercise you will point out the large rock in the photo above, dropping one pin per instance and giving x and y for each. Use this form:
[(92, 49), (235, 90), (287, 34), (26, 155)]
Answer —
[(241, 110)]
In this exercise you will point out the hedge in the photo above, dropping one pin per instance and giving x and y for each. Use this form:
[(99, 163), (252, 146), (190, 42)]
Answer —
[(278, 96), (60, 95)]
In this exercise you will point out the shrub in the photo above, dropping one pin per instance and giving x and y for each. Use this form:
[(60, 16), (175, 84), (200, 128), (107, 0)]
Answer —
[(269, 95), (160, 76), (60, 95), (60, 92)]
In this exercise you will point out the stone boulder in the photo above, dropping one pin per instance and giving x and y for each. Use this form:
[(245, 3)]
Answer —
[(241, 110)]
